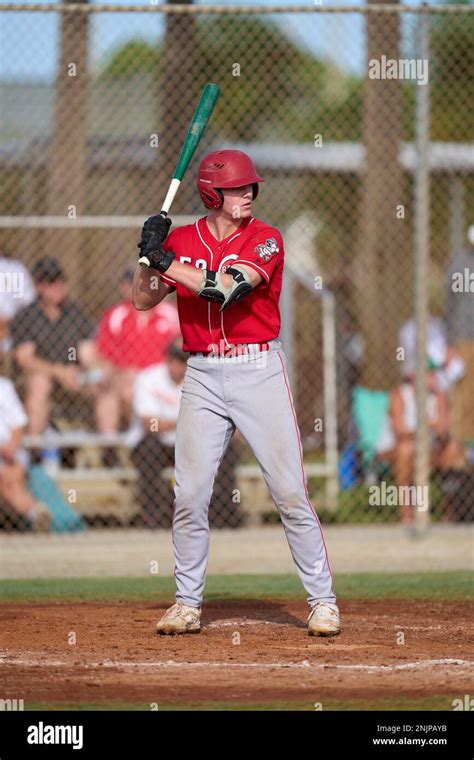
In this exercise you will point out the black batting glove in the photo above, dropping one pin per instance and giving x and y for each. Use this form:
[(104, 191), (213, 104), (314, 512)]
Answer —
[(155, 227), (158, 258)]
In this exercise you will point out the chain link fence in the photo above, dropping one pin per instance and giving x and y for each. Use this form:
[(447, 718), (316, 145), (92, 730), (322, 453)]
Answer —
[(337, 107)]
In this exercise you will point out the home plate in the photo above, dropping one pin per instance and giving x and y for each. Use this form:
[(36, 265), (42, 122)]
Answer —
[(239, 622)]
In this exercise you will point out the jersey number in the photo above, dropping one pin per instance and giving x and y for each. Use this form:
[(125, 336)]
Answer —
[(199, 264), (202, 263)]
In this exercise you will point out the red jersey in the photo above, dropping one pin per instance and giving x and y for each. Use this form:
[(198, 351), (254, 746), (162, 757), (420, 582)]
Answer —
[(255, 318), (132, 339)]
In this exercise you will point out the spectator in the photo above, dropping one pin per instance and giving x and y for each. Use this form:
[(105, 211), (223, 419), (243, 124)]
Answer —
[(129, 341), (14, 461), (51, 338), (397, 440), (460, 329), (17, 291), (450, 367)]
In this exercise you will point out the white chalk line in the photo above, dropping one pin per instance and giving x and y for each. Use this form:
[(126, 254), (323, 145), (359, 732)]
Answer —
[(304, 664), (422, 627), (239, 623)]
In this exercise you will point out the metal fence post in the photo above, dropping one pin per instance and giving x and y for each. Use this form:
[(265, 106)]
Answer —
[(330, 398), (421, 244)]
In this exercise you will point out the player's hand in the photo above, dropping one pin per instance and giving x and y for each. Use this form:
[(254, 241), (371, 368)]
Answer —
[(155, 228), (158, 258)]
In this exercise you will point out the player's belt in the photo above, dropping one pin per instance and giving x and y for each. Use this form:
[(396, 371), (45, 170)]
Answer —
[(237, 350)]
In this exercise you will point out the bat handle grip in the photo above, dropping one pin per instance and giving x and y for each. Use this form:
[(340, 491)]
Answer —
[(143, 260)]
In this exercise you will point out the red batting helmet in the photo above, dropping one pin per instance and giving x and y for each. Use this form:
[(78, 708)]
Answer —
[(225, 168)]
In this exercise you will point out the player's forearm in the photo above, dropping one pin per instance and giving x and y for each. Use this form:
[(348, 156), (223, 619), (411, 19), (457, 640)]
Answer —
[(190, 277), (148, 289)]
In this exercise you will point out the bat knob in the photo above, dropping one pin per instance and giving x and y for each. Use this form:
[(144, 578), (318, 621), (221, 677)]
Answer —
[(143, 261)]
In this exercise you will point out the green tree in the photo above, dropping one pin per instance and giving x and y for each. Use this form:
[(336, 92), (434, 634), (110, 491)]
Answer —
[(452, 76), (135, 58), (273, 89)]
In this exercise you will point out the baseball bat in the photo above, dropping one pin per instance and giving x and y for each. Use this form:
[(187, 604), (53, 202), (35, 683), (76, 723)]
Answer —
[(196, 129)]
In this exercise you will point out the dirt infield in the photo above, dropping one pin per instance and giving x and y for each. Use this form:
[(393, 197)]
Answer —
[(246, 653)]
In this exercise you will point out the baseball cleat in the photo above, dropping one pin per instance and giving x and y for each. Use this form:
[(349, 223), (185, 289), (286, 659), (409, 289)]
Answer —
[(180, 619), (323, 620)]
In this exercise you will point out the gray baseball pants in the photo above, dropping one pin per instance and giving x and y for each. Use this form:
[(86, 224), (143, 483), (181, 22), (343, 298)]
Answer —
[(250, 393)]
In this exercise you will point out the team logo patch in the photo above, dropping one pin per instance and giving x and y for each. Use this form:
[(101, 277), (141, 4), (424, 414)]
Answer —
[(267, 249)]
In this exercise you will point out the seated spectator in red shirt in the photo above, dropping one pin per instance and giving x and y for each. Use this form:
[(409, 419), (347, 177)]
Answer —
[(128, 341), (52, 342)]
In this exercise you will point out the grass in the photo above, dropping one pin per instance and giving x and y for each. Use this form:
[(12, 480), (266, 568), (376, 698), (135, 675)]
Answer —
[(432, 702), (432, 586)]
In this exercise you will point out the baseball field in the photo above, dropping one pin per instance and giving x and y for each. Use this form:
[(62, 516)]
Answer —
[(236, 293), (89, 644)]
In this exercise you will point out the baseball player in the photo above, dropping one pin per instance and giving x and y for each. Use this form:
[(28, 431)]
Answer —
[(227, 271)]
